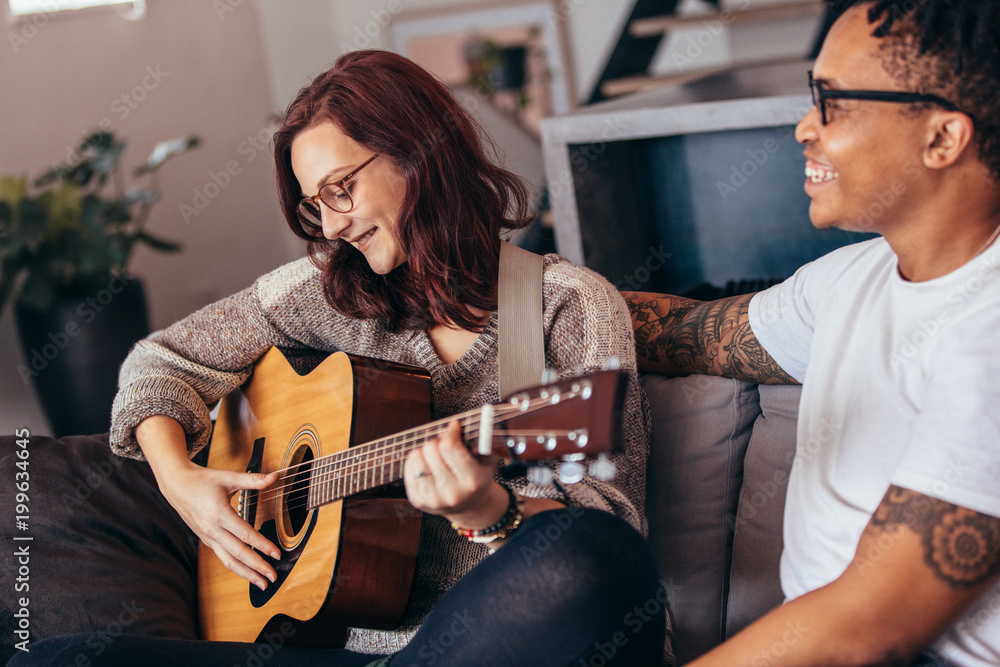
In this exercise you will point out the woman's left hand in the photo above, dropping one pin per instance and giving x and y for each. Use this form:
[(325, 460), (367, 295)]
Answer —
[(444, 478)]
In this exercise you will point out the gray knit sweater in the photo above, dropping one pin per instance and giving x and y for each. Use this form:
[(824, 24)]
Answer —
[(183, 370)]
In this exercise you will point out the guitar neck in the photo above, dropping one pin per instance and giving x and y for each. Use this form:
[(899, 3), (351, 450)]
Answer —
[(379, 462), (543, 423)]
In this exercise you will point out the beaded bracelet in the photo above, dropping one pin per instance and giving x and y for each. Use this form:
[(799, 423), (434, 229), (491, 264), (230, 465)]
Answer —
[(503, 528)]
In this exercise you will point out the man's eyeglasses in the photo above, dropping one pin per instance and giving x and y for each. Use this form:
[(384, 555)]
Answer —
[(820, 95), (335, 195)]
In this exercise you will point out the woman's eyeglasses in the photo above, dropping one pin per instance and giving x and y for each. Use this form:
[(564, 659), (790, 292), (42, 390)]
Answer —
[(337, 196)]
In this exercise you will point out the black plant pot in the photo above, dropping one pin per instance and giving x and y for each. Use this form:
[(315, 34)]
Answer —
[(74, 351)]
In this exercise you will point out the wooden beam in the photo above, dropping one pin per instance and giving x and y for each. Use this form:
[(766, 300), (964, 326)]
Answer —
[(658, 25), (639, 83)]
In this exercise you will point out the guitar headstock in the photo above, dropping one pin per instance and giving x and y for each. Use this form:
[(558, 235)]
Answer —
[(569, 419)]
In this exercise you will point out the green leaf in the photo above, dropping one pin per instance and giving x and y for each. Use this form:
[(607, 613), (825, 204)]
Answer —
[(106, 161), (142, 196), (55, 174), (12, 242), (32, 221), (117, 214), (96, 142), (13, 190), (79, 174), (64, 205), (157, 243), (9, 277), (165, 150), (92, 212), (97, 155)]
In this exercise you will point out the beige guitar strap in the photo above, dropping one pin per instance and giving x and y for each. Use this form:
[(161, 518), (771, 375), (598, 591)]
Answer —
[(522, 338)]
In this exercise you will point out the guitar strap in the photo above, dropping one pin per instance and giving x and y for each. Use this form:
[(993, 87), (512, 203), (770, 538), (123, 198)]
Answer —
[(522, 338)]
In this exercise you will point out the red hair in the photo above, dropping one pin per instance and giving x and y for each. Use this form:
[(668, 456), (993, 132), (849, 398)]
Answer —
[(456, 204)]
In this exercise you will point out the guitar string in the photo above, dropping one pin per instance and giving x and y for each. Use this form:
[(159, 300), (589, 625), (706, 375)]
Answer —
[(352, 461), (305, 502), (469, 418), (352, 478), (380, 460), (331, 474), (348, 464)]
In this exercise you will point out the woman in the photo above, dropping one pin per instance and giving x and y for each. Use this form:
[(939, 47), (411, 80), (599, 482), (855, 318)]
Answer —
[(385, 175)]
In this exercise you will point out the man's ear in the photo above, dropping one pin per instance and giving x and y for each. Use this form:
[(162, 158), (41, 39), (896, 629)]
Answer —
[(949, 134)]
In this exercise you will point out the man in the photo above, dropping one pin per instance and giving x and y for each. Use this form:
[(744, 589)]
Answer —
[(892, 520)]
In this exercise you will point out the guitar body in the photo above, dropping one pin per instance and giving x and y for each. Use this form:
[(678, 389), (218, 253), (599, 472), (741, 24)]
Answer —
[(345, 563)]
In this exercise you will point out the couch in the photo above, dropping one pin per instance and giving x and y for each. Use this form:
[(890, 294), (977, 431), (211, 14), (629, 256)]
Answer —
[(107, 555), (718, 468)]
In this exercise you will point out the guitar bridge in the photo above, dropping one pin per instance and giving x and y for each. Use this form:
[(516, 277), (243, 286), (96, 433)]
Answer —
[(246, 505)]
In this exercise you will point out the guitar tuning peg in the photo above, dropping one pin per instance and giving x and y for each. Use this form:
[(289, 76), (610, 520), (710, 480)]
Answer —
[(611, 364), (540, 474), (571, 472), (603, 468)]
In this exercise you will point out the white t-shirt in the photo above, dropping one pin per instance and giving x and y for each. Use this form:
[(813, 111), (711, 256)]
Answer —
[(901, 385)]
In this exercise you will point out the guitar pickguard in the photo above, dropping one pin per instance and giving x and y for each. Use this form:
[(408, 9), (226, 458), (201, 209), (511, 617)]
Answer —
[(283, 567)]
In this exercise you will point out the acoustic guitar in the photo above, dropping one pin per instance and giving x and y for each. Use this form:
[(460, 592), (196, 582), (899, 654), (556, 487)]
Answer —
[(339, 435)]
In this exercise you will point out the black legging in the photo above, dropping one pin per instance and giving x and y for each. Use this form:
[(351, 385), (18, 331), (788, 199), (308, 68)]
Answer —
[(573, 587)]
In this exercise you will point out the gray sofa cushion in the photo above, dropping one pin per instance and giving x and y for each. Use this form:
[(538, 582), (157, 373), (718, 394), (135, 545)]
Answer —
[(701, 429), (754, 584)]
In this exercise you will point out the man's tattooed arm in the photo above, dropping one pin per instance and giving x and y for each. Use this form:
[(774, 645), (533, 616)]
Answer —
[(676, 336), (961, 547), (920, 566)]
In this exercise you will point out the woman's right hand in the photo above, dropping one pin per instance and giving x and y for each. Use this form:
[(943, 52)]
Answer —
[(202, 498)]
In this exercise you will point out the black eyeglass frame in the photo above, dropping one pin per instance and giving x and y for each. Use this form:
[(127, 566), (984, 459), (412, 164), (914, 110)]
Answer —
[(313, 219), (820, 95)]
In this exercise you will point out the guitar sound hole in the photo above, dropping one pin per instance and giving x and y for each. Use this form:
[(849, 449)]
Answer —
[(297, 498)]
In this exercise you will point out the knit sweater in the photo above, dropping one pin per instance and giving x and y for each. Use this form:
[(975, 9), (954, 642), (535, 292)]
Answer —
[(183, 370)]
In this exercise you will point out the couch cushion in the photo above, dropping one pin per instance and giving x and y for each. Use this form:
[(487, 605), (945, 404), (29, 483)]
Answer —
[(701, 428), (754, 583), (107, 555)]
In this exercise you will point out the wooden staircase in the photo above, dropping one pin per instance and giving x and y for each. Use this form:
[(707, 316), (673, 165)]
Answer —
[(627, 69)]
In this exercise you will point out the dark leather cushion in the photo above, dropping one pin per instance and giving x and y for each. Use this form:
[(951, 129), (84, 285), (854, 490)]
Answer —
[(108, 554)]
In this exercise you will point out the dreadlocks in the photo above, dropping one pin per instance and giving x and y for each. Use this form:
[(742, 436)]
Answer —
[(949, 48)]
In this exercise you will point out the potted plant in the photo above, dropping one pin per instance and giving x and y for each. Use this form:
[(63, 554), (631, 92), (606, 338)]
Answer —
[(65, 245), (493, 68)]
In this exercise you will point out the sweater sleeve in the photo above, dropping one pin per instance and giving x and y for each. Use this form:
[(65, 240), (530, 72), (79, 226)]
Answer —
[(182, 370), (586, 323)]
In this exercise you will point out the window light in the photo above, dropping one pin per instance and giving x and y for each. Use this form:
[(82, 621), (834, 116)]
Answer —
[(27, 7)]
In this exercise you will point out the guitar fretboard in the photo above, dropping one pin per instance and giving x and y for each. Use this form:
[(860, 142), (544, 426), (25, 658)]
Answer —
[(380, 462), (495, 428)]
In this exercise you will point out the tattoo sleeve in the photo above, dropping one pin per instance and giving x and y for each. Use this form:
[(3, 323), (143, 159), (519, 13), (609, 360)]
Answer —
[(961, 547), (676, 336)]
